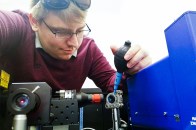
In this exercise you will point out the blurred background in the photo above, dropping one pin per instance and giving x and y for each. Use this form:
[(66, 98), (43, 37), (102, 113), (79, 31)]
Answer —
[(115, 21)]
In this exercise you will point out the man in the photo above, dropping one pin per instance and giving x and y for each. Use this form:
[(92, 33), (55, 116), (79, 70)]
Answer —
[(50, 44)]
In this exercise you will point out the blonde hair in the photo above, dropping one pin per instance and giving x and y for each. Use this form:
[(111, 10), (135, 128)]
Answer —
[(71, 14)]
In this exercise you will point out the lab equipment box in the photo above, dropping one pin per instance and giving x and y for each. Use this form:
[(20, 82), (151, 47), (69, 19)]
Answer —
[(163, 95)]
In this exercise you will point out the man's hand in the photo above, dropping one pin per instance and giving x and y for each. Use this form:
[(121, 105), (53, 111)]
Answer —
[(137, 58)]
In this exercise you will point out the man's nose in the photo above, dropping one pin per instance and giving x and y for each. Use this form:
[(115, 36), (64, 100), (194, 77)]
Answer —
[(72, 40)]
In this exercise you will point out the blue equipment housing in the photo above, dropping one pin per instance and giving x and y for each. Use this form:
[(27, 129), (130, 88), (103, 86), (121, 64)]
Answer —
[(163, 95)]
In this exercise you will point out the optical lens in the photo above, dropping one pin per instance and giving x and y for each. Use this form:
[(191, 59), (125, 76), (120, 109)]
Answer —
[(22, 100), (111, 99)]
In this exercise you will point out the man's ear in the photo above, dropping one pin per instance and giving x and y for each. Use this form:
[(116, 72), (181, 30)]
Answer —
[(34, 23)]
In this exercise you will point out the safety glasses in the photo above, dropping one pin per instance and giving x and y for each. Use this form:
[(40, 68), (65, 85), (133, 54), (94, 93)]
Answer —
[(63, 4)]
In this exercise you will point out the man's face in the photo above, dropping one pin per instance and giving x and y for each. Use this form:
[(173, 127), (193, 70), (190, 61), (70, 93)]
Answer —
[(61, 47)]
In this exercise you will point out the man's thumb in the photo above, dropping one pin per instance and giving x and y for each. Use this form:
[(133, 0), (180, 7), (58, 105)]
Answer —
[(114, 48)]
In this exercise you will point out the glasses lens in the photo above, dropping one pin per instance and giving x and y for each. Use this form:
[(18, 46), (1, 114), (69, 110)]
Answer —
[(56, 4), (83, 4)]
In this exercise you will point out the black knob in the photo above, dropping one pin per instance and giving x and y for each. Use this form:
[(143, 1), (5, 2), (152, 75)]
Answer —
[(119, 61)]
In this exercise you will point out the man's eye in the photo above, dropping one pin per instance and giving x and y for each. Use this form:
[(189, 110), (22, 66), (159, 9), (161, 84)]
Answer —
[(60, 32), (80, 31)]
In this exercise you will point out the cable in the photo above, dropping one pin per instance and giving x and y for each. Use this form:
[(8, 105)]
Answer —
[(123, 121), (117, 81), (81, 117)]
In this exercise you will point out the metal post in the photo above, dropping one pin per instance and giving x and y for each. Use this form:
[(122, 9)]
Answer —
[(115, 119), (20, 122)]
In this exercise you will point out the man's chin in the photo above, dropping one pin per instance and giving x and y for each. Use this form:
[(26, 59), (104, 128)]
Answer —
[(62, 56), (67, 57)]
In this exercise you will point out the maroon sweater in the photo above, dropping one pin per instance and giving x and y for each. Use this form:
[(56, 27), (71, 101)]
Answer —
[(25, 63)]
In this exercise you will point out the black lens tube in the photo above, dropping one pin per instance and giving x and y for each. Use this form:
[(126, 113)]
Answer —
[(21, 101)]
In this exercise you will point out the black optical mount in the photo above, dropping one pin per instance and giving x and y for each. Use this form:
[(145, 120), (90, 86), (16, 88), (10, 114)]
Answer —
[(114, 101), (28, 104), (34, 104)]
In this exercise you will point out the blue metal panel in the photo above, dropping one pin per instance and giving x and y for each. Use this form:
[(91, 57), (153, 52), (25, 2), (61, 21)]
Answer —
[(181, 42), (162, 95), (152, 97)]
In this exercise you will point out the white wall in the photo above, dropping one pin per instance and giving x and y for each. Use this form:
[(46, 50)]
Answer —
[(114, 21), (14, 4), (141, 21)]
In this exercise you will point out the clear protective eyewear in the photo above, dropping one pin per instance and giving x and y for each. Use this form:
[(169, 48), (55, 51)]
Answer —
[(66, 34)]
